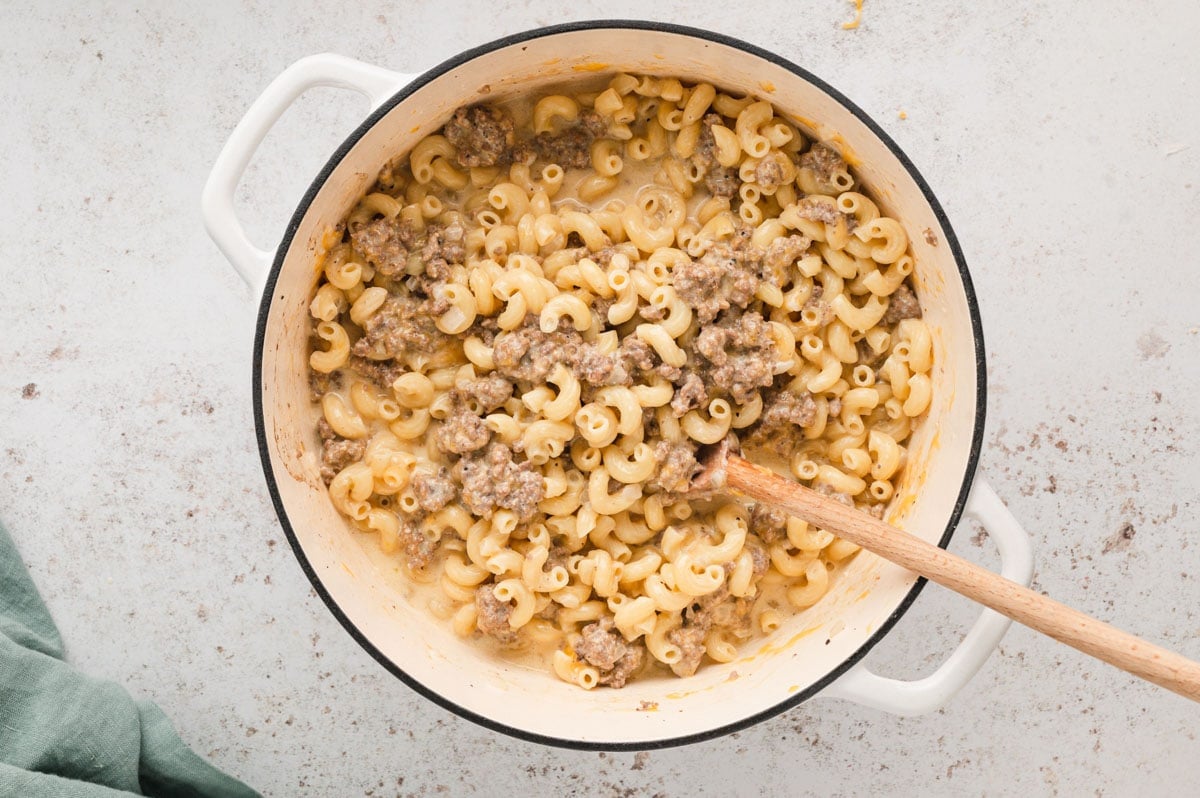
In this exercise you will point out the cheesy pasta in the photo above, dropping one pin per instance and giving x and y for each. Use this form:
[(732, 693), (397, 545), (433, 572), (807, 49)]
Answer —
[(526, 330)]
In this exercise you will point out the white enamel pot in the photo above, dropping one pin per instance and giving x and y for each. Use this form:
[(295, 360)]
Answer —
[(817, 652)]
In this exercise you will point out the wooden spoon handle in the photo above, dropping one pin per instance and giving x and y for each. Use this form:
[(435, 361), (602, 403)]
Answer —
[(1065, 624)]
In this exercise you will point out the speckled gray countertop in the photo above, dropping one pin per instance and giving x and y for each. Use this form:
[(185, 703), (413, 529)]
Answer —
[(1061, 139)]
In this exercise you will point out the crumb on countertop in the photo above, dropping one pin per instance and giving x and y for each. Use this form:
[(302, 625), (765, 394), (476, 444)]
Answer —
[(853, 24)]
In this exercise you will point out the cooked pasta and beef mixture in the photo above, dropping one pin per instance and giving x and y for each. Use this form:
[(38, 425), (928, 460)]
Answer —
[(528, 327)]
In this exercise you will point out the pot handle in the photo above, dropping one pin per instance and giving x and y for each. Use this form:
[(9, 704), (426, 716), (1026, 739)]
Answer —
[(216, 202), (900, 697)]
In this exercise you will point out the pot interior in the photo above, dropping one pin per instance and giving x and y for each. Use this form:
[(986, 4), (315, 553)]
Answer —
[(388, 613)]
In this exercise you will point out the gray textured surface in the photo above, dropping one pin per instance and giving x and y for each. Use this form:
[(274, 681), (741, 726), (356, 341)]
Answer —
[(1062, 142)]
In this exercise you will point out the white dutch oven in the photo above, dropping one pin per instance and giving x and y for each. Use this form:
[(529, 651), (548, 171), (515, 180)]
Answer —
[(816, 652)]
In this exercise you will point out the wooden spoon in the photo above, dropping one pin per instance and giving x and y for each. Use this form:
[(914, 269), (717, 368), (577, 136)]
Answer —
[(725, 470)]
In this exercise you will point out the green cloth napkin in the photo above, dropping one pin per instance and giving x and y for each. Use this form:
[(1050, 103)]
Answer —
[(65, 735)]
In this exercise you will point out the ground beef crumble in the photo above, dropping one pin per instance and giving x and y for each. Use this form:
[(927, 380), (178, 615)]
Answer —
[(481, 135), (492, 614), (320, 383), (337, 452), (722, 181), (461, 431), (742, 353), (489, 392), (780, 256), (403, 324), (676, 466), (571, 149), (822, 310), (780, 427), (759, 559), (818, 210), (706, 145), (768, 523), (869, 356), (787, 408), (529, 355), (606, 650), (599, 645), (717, 610), (824, 161), (690, 395), (626, 666), (632, 355), (381, 373), (770, 171), (492, 479), (690, 640), (442, 247), (731, 616), (385, 243), (418, 549), (902, 304), (725, 276), (434, 490)]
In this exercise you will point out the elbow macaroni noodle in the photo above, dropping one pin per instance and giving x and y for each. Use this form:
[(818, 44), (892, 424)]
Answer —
[(582, 234)]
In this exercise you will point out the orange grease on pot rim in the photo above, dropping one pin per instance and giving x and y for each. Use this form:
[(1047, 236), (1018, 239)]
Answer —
[(328, 239), (848, 155), (773, 648), (767, 86), (805, 121), (904, 506), (593, 66)]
